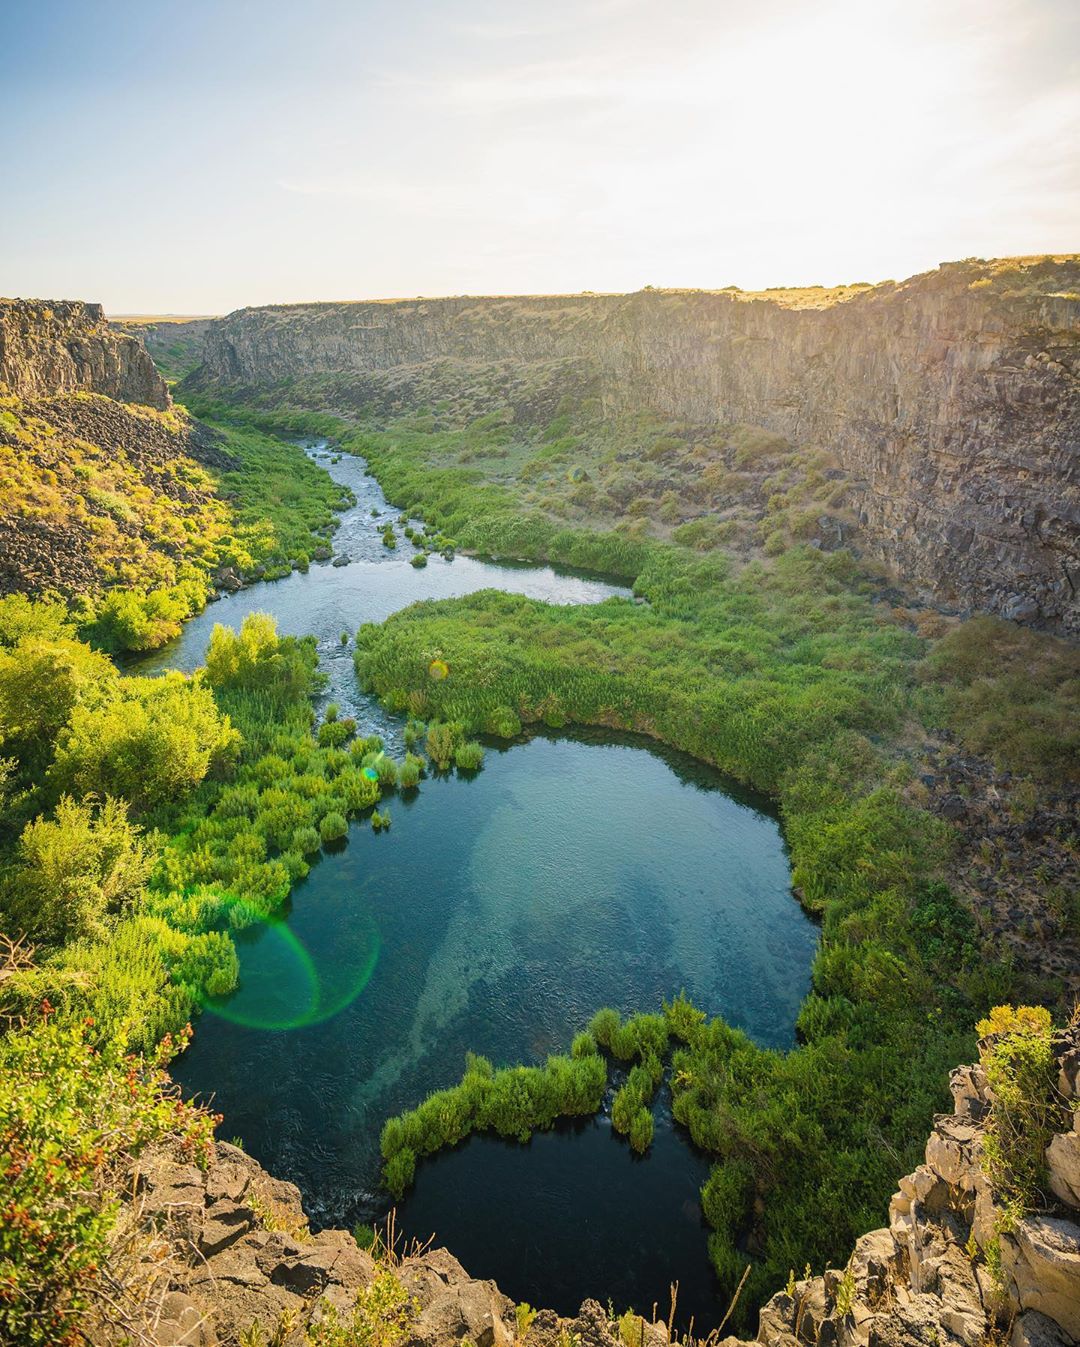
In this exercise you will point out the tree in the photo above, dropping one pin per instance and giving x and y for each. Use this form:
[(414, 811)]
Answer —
[(70, 872), (256, 658), (41, 683), (151, 741)]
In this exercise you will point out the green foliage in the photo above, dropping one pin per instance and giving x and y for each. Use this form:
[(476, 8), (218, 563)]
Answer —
[(257, 660), (469, 757), (1012, 694), (74, 1111), (441, 743), (513, 1102), (71, 723), (641, 1130), (332, 827), (642, 1036), (73, 870), (283, 502), (379, 1317), (1017, 1054), (785, 678), (153, 740)]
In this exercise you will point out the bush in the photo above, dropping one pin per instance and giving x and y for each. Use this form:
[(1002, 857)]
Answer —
[(74, 1112), (333, 827), (1018, 1057), (306, 840), (641, 1130), (469, 756), (441, 742), (73, 871)]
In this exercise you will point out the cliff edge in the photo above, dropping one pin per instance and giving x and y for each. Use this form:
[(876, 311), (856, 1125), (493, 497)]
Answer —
[(233, 1261), (50, 347)]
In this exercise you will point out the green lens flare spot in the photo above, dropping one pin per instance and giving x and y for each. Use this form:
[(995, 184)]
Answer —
[(439, 669), (281, 985)]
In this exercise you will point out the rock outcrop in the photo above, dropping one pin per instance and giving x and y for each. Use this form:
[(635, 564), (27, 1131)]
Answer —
[(48, 347), (952, 400), (947, 1271), (230, 1260)]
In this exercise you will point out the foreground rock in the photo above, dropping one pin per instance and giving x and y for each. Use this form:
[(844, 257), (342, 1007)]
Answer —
[(930, 1278)]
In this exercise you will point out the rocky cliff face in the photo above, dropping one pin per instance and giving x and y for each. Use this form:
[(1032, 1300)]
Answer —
[(952, 400), (49, 347), (946, 1271)]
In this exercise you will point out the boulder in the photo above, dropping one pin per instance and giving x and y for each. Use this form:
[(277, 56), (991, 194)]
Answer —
[(951, 1150), (331, 1258), (968, 1086), (1063, 1163), (223, 1224), (180, 1323), (1033, 1329), (1042, 1257)]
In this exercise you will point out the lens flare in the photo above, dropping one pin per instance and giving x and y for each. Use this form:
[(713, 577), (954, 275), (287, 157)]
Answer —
[(370, 773), (439, 669), (281, 985)]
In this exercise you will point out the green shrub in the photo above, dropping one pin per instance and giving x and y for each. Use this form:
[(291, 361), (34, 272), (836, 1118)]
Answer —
[(641, 1130), (306, 840), (74, 1111), (441, 742), (469, 756), (72, 871), (332, 827)]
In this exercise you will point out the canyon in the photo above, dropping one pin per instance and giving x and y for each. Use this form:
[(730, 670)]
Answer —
[(951, 400), (953, 408)]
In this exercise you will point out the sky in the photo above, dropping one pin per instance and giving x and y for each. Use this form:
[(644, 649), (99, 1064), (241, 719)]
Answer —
[(196, 157)]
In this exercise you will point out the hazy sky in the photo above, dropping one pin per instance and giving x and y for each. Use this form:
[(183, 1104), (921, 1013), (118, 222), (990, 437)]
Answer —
[(199, 156)]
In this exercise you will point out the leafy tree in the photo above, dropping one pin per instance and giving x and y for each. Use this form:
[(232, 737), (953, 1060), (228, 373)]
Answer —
[(73, 870), (151, 741)]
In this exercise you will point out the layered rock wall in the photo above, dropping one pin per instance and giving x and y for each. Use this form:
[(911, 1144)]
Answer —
[(952, 399), (50, 347)]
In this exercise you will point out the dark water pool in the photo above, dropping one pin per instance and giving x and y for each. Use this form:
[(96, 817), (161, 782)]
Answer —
[(497, 915)]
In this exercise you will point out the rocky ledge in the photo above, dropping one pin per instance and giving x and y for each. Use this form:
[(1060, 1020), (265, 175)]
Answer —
[(944, 1273), (229, 1259), (65, 346)]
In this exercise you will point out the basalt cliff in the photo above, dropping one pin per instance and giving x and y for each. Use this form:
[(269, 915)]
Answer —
[(51, 347), (951, 400), (100, 476)]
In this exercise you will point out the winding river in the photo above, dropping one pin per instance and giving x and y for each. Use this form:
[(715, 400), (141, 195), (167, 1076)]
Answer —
[(498, 913)]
